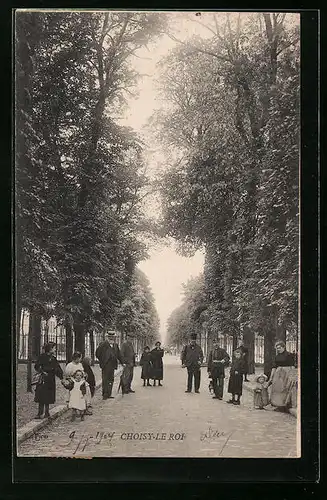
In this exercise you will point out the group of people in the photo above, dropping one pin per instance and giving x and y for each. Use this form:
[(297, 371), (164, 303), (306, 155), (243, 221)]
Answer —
[(109, 355), (282, 379), (77, 377), (79, 380)]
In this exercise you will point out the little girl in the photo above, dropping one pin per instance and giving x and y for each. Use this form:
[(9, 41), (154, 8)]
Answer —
[(260, 396), (146, 363), (71, 368), (77, 387), (235, 383)]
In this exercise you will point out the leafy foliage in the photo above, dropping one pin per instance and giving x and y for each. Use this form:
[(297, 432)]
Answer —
[(79, 175), (233, 119)]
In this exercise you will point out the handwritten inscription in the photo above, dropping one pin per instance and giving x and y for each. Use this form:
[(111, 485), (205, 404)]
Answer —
[(211, 434), (79, 442)]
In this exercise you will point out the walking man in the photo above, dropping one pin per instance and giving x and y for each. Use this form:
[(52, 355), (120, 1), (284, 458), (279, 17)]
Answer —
[(192, 358), (128, 356), (217, 361), (108, 354)]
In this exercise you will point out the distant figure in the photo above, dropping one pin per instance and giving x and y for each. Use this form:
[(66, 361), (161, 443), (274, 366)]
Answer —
[(146, 364), (236, 373), (157, 363), (128, 356), (48, 369), (192, 358), (217, 361), (108, 354), (260, 395)]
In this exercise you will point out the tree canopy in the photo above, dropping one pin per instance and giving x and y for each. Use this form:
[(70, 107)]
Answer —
[(232, 116), (80, 175)]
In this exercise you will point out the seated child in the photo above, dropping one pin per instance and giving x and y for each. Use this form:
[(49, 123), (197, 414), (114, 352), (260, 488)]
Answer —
[(146, 363), (235, 383), (260, 396), (86, 362), (77, 387)]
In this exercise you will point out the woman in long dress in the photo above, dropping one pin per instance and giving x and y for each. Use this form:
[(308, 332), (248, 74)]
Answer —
[(48, 369), (157, 363), (283, 379)]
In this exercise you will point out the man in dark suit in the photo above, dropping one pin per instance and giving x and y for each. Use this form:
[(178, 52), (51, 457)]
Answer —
[(192, 358), (128, 356), (108, 354), (217, 361)]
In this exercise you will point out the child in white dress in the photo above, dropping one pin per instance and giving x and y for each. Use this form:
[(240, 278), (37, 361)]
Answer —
[(78, 388), (70, 368)]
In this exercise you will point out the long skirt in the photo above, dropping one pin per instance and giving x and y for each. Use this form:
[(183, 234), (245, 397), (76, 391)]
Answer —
[(146, 371), (235, 383), (157, 371), (284, 387)]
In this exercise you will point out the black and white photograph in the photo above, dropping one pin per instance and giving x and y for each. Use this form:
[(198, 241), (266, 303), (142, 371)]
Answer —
[(157, 233)]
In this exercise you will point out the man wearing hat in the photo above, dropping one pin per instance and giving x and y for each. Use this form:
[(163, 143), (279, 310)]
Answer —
[(128, 356), (217, 361), (108, 354), (192, 358)]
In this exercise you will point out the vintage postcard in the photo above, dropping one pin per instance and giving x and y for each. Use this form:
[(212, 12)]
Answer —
[(157, 161)]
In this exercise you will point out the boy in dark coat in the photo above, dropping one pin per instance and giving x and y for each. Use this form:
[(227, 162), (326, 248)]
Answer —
[(146, 363), (217, 361), (235, 383), (128, 356), (48, 368), (90, 378), (86, 362)]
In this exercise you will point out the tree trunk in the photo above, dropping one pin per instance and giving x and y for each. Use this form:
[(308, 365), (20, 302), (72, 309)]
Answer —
[(281, 332), (69, 341), (248, 338), (29, 354), (79, 331), (235, 341), (46, 333), (92, 347), (269, 338), (36, 326)]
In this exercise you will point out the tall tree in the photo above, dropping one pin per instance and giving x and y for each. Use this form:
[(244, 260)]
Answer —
[(237, 176)]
